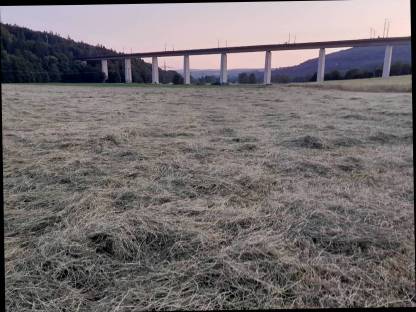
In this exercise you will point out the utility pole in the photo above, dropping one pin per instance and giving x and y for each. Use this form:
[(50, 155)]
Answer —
[(289, 38), (384, 29), (218, 41), (388, 28)]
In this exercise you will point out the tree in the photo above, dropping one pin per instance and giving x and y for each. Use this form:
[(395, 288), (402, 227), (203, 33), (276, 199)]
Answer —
[(353, 74), (314, 77), (252, 78), (378, 72), (395, 69), (280, 79), (399, 68), (114, 77), (333, 75), (242, 78), (367, 74), (177, 79), (406, 69), (207, 80)]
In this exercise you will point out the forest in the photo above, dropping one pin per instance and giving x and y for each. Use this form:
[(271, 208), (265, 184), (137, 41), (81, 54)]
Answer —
[(35, 56)]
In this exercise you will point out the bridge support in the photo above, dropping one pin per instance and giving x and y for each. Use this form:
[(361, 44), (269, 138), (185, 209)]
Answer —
[(268, 68), (321, 66), (155, 70), (127, 71), (104, 69), (387, 61), (223, 72), (186, 71)]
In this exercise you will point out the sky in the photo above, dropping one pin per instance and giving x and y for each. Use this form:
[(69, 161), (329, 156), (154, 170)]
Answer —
[(152, 27)]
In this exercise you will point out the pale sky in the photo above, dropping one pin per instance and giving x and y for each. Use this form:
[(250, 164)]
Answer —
[(148, 27)]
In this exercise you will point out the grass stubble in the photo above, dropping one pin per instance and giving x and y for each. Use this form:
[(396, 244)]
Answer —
[(129, 199)]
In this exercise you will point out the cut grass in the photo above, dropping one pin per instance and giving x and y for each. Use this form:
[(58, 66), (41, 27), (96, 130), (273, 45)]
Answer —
[(189, 198)]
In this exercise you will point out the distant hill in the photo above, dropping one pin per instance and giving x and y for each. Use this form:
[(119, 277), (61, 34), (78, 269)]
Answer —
[(35, 56), (365, 58)]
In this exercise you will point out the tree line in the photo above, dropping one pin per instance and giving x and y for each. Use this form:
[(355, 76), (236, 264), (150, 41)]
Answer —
[(35, 56), (396, 69)]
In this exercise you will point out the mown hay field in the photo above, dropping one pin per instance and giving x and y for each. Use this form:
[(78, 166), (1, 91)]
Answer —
[(129, 199)]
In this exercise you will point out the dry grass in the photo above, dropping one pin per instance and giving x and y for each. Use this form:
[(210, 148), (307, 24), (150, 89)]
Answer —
[(391, 84), (124, 199)]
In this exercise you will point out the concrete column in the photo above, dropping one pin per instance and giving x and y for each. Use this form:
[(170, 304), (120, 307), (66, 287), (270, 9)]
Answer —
[(104, 69), (268, 68), (321, 66), (387, 61), (127, 71), (186, 71), (223, 72), (155, 70)]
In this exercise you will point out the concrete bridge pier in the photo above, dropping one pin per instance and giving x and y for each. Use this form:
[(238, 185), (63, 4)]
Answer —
[(387, 61), (104, 69), (127, 71), (186, 71), (223, 72), (268, 68), (155, 70), (321, 66)]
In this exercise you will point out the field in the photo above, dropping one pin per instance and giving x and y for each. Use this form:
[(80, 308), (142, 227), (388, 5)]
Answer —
[(392, 84), (131, 198)]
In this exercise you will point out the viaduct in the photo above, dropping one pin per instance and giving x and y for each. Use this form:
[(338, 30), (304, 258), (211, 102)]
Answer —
[(223, 51)]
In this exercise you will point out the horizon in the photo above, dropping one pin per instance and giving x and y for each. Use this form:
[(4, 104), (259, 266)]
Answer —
[(233, 20)]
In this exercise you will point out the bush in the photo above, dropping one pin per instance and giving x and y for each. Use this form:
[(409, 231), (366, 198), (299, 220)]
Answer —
[(242, 78), (333, 75), (177, 79), (252, 78)]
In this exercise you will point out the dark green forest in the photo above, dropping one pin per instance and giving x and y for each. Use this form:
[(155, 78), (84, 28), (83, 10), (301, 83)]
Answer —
[(35, 56)]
